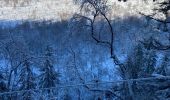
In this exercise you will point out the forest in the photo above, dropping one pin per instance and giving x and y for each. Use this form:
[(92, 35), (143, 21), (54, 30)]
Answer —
[(100, 53)]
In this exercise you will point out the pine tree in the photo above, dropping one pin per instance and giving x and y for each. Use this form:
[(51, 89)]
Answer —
[(134, 67), (3, 87), (138, 60), (141, 63), (147, 69), (27, 80), (134, 63), (151, 62), (149, 58), (49, 77)]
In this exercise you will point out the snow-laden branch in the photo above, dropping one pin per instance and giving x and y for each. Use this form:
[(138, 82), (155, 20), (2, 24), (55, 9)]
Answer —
[(104, 82)]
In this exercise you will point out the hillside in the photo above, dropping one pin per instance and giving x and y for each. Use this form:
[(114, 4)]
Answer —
[(84, 50), (63, 9)]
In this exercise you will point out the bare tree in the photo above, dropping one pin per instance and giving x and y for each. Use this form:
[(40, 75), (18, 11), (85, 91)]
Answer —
[(100, 8)]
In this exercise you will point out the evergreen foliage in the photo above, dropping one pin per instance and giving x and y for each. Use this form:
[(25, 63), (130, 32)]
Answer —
[(27, 80), (49, 77)]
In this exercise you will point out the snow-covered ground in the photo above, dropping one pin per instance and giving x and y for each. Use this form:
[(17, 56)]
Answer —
[(63, 9), (40, 10)]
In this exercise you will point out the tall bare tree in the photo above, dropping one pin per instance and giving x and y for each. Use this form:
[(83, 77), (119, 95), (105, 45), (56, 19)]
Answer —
[(100, 8)]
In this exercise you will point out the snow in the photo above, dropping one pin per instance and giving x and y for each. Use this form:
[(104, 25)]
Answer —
[(93, 61), (63, 9), (43, 9)]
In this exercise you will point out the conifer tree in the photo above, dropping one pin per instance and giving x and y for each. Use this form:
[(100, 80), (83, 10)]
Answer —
[(134, 67), (3, 87), (49, 77), (138, 60), (141, 63), (150, 62), (27, 80)]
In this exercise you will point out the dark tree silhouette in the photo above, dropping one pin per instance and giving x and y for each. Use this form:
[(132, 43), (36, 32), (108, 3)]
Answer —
[(27, 79), (3, 86), (100, 8), (49, 77)]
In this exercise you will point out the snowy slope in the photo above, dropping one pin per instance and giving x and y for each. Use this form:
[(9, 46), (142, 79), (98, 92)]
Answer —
[(42, 9), (63, 9)]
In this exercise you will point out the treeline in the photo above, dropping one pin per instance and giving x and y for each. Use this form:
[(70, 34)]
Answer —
[(29, 62), (39, 56)]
